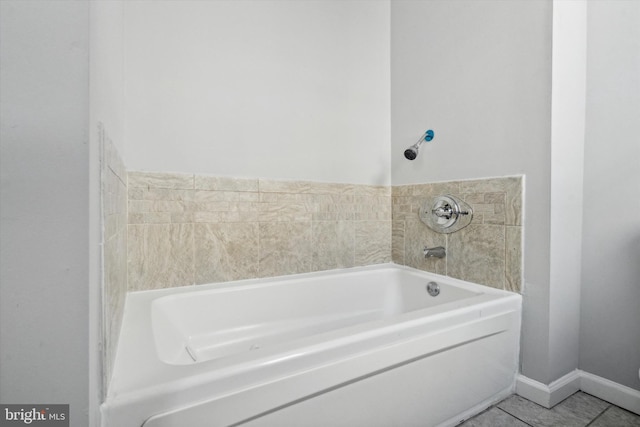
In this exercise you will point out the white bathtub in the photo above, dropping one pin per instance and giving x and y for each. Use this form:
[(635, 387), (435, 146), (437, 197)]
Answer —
[(357, 347)]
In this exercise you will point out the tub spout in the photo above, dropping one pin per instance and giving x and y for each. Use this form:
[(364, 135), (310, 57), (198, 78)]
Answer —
[(437, 252)]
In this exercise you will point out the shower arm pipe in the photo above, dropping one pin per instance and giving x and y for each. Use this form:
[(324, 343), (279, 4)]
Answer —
[(428, 136)]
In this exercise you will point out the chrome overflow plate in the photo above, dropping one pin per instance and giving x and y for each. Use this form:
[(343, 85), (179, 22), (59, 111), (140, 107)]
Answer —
[(446, 214), (433, 289)]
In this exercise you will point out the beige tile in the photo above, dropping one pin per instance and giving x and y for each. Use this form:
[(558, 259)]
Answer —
[(160, 256), (114, 193), (115, 269), (335, 188), (513, 261), (373, 242), (495, 201), (404, 211), (169, 206), (482, 208), (305, 198), (513, 210), (382, 204), (484, 185), (333, 207), (477, 254), (372, 216), (513, 202), (114, 223), (370, 200), (161, 180), (115, 260), (512, 188), (112, 160), (115, 290), (373, 190), (205, 182), (333, 245), (274, 186), (172, 206), (136, 193), (332, 199), (166, 194), (225, 251), (275, 212), (225, 196), (285, 248), (401, 200), (495, 198), (493, 218), (150, 218), (329, 212), (427, 191), (220, 206), (140, 206), (417, 236), (333, 216), (182, 217), (474, 198), (401, 191), (213, 217), (113, 185), (397, 242)]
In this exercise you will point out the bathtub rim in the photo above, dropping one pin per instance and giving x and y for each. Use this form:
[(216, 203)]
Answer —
[(195, 288), (172, 312), (137, 313)]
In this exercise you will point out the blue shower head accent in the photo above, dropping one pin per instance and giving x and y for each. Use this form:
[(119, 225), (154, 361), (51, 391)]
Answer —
[(428, 135)]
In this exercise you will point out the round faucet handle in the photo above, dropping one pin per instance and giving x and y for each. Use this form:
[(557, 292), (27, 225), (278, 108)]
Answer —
[(443, 212)]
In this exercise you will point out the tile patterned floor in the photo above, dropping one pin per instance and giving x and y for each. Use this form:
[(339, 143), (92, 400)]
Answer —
[(578, 410)]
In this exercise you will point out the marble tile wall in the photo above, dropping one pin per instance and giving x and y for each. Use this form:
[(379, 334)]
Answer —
[(189, 229), (113, 179), (488, 251)]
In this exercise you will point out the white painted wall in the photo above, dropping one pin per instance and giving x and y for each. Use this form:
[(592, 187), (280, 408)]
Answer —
[(567, 156), (479, 75), (44, 199), (107, 69), (275, 89), (106, 91), (610, 322)]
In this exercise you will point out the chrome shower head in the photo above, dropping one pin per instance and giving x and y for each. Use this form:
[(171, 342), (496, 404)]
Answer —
[(412, 152)]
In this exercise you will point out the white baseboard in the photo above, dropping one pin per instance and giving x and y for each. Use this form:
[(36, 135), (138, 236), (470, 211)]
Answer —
[(602, 388), (618, 394), (548, 395)]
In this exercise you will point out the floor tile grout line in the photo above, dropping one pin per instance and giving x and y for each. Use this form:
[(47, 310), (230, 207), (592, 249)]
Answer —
[(510, 414), (599, 415)]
